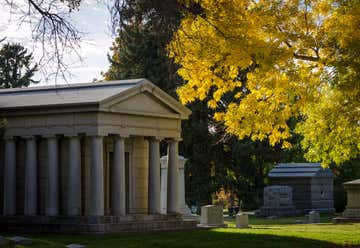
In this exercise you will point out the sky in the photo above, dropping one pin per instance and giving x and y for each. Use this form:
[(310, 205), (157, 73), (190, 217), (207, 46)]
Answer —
[(92, 19)]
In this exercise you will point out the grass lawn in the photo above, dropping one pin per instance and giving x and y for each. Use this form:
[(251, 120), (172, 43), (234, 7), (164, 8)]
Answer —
[(275, 233)]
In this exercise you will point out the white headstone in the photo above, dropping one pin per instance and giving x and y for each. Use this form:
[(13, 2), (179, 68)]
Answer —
[(212, 215), (75, 246), (2, 241), (314, 217), (242, 220), (17, 240)]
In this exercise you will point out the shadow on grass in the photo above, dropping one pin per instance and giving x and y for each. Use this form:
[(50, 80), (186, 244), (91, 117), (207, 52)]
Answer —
[(189, 239)]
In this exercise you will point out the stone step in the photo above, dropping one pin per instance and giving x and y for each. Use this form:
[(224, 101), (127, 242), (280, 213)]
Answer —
[(102, 228)]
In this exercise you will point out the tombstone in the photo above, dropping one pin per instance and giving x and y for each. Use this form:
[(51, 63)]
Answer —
[(277, 201), (17, 240), (184, 209), (314, 217), (352, 210), (2, 241), (75, 246), (242, 220), (212, 216)]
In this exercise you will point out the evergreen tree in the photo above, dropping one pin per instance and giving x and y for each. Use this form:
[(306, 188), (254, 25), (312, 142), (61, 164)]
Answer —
[(16, 70)]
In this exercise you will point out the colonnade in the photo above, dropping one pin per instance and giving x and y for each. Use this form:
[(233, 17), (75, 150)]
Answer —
[(96, 200)]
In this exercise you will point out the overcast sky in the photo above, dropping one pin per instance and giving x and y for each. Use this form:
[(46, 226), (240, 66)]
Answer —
[(93, 19)]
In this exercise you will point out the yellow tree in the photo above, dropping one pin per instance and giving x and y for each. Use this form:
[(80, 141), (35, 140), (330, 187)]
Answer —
[(302, 59)]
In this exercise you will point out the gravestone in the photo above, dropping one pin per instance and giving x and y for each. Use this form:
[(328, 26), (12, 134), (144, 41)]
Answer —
[(277, 201), (212, 216), (352, 210), (314, 217), (242, 220), (75, 246), (17, 240), (2, 241)]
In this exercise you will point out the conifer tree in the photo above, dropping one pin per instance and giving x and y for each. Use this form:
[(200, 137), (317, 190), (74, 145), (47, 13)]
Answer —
[(16, 69)]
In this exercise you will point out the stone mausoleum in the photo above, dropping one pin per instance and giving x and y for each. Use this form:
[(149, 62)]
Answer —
[(85, 158), (312, 185)]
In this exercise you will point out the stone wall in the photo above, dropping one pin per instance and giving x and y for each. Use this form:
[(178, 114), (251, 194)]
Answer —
[(139, 166)]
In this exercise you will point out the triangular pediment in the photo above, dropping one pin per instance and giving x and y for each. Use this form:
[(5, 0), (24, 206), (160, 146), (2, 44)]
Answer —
[(145, 99), (141, 103)]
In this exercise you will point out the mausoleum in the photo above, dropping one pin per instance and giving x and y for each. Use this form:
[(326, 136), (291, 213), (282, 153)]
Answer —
[(85, 157), (312, 185)]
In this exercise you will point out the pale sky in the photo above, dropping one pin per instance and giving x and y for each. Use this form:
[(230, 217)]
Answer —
[(93, 19)]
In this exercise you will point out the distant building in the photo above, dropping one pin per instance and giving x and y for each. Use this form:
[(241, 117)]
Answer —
[(312, 185)]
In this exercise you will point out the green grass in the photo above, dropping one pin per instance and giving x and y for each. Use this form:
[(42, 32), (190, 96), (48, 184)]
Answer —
[(275, 233)]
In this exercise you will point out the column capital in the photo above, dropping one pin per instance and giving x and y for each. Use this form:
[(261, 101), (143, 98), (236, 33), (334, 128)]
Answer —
[(174, 139), (154, 138), (120, 136), (49, 136), (73, 135), (28, 137), (6, 137)]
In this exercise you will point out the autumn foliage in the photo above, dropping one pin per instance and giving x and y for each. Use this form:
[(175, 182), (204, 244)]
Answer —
[(302, 61)]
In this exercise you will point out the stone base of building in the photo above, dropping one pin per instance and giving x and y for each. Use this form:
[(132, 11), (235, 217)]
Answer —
[(281, 211), (94, 225), (320, 210)]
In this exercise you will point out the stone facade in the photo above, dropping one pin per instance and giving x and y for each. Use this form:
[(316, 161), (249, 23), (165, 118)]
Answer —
[(278, 201), (352, 210), (312, 185), (70, 154)]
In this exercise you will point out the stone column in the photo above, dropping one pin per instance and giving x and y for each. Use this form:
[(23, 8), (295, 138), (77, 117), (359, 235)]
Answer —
[(74, 177), (97, 177), (164, 175), (10, 177), (52, 189), (173, 177), (154, 175), (118, 193), (30, 203)]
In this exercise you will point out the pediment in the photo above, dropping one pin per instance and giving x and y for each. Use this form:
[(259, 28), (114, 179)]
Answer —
[(141, 103)]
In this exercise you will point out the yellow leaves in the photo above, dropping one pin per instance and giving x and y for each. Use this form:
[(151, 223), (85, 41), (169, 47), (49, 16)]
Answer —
[(299, 59)]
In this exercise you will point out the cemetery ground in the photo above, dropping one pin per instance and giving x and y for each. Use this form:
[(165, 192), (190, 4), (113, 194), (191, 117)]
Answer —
[(277, 233)]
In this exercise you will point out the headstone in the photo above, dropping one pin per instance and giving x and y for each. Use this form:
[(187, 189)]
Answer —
[(314, 217), (352, 210), (212, 215), (242, 220), (2, 241), (18, 240), (75, 246), (277, 201)]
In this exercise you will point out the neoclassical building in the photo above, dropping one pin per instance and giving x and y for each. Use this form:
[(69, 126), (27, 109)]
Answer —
[(86, 157)]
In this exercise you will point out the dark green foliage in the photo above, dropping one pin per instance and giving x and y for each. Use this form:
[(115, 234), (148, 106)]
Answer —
[(15, 67)]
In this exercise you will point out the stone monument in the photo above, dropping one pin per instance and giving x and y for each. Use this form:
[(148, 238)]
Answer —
[(242, 220), (314, 217), (352, 211), (212, 216), (277, 201), (184, 209)]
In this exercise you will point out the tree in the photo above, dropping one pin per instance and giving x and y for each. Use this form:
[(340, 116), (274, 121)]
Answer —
[(16, 70), (304, 60)]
